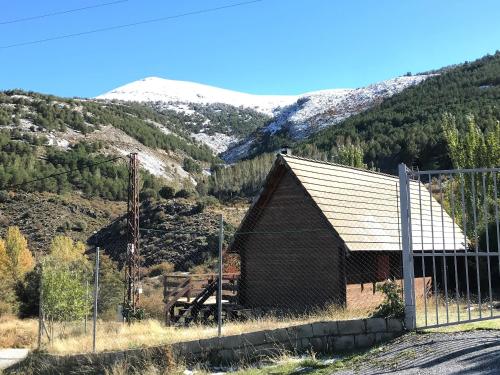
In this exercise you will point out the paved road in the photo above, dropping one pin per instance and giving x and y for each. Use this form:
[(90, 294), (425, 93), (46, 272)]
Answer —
[(8, 357), (475, 352)]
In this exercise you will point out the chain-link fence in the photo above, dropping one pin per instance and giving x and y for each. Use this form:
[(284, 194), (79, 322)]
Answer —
[(303, 248), (321, 241)]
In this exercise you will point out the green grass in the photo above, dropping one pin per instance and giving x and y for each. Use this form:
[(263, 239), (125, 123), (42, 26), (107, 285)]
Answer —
[(485, 324), (309, 366)]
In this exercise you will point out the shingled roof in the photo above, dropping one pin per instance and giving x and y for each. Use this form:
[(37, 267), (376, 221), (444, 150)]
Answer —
[(362, 206)]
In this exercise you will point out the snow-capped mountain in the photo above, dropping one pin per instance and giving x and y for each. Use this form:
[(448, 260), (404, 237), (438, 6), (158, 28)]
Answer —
[(154, 89), (296, 115)]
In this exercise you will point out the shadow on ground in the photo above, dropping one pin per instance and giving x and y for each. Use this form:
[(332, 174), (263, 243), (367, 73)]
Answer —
[(474, 352)]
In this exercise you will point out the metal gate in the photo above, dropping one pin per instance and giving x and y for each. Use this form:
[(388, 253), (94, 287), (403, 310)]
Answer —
[(451, 245)]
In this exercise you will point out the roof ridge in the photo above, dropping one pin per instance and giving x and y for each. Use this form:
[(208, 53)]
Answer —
[(338, 165)]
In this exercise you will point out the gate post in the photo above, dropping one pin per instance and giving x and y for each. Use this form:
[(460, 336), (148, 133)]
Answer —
[(408, 280)]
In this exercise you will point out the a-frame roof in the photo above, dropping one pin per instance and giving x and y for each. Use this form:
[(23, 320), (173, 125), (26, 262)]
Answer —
[(363, 207)]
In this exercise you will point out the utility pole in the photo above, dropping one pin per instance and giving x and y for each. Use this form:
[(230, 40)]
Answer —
[(132, 269)]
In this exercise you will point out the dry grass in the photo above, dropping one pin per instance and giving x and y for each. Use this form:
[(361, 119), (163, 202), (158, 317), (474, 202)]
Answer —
[(458, 310), (16, 333), (71, 338)]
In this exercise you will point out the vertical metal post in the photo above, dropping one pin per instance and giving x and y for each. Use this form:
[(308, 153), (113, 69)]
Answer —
[(486, 221), (445, 262), (422, 245), (466, 245), (434, 273), (96, 295), (86, 304), (219, 286), (40, 308), (410, 319), (457, 292), (476, 241)]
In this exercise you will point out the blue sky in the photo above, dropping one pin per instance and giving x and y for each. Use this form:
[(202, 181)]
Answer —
[(269, 47)]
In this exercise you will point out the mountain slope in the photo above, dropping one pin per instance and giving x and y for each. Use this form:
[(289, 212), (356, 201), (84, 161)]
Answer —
[(42, 134), (316, 111), (231, 122), (407, 126), (154, 89)]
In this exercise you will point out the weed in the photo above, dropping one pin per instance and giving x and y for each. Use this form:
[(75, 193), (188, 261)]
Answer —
[(393, 305)]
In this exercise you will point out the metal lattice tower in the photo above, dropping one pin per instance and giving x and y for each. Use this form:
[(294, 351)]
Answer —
[(132, 269)]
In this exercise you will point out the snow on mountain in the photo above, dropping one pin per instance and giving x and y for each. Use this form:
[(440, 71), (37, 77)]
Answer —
[(297, 115), (219, 142), (316, 110), (154, 89)]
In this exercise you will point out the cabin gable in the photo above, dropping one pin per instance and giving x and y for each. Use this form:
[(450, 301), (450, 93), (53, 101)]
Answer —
[(292, 246)]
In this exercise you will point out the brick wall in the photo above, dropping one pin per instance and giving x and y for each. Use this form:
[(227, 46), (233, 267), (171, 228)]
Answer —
[(365, 296)]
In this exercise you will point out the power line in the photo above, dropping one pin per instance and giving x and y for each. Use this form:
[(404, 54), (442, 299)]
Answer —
[(61, 173), (138, 23), (31, 18)]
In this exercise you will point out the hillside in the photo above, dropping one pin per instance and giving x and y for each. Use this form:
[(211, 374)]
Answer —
[(34, 126), (407, 126), (179, 231), (315, 111), (41, 216), (232, 123), (40, 135)]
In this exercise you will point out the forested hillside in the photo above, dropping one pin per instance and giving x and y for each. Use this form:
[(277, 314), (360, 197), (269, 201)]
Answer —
[(84, 144), (42, 135), (408, 126)]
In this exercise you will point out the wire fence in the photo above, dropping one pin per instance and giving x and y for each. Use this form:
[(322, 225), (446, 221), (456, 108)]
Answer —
[(293, 261), (320, 242), (289, 263)]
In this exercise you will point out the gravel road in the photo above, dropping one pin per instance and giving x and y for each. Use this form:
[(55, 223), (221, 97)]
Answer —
[(474, 352)]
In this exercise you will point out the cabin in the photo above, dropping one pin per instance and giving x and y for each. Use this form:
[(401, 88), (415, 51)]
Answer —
[(321, 233)]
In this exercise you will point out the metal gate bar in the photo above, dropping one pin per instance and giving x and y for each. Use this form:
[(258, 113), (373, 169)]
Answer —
[(447, 227)]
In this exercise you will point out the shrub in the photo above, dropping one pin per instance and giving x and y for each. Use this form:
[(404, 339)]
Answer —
[(147, 194), (167, 192), (191, 166), (183, 193), (80, 226), (161, 269), (393, 305), (198, 208), (4, 196), (210, 201), (202, 188), (28, 294)]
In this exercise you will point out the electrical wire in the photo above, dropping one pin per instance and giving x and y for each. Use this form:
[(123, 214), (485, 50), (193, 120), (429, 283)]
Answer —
[(31, 18), (138, 23)]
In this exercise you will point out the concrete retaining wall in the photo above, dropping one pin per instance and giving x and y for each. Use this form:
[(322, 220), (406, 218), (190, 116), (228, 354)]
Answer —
[(321, 337)]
